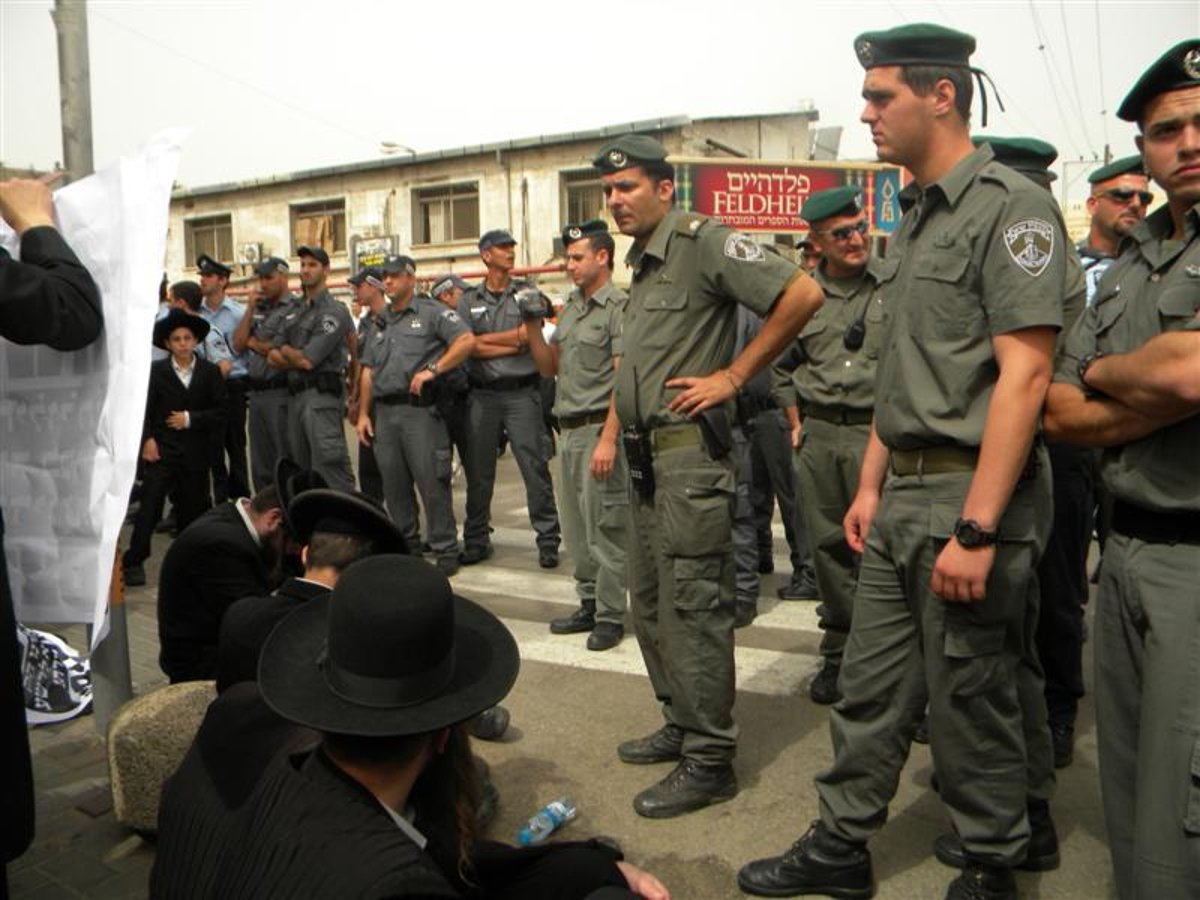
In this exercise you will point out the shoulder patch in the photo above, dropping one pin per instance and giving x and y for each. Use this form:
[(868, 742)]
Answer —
[(450, 315), (739, 246), (1030, 243), (329, 324)]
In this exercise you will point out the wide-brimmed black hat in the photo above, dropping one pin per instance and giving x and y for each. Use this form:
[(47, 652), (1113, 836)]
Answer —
[(178, 318), (291, 479), (391, 651), (336, 512)]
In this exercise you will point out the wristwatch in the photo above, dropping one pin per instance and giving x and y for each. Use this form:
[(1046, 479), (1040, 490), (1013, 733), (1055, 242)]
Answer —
[(433, 369), (1086, 363), (970, 534)]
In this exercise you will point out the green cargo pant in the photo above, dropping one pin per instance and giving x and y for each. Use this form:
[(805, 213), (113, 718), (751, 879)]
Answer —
[(907, 646), (680, 564)]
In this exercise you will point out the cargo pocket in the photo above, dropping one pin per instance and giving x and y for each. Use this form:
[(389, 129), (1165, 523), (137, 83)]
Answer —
[(696, 508), (1191, 816), (697, 582), (975, 659)]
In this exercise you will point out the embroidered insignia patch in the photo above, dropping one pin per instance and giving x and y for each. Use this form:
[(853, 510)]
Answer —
[(866, 52), (738, 246), (329, 325), (617, 158), (1030, 243), (450, 315), (1191, 64), (574, 233)]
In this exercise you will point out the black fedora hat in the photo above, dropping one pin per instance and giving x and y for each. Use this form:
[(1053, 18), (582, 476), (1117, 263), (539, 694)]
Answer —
[(178, 318), (336, 512), (291, 479), (391, 651)]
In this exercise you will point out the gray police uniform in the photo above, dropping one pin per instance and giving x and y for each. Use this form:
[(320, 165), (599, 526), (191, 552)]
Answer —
[(505, 395), (834, 388), (594, 512), (981, 253), (680, 321), (315, 409), (268, 395), (1147, 627), (370, 481), (411, 442)]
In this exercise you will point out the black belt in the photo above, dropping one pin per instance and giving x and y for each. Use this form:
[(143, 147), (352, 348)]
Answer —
[(1156, 527), (514, 383), (596, 418), (404, 398), (266, 384), (237, 385), (839, 415), (325, 382)]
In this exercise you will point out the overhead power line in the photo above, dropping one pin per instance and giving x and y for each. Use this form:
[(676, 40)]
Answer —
[(1100, 75), (1062, 14), (1047, 61)]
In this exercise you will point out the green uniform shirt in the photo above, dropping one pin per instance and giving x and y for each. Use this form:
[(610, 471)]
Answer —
[(588, 337), (831, 375), (982, 252), (1154, 286), (681, 317), (410, 339)]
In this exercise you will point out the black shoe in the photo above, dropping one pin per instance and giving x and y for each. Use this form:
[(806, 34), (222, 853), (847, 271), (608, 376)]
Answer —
[(744, 612), (665, 745), (803, 586), (766, 561), (1062, 736), (605, 636), (449, 565), (824, 688), (135, 575), (983, 882), (548, 557), (490, 724), (921, 735), (818, 863), (1042, 855), (583, 619), (472, 555), (689, 786)]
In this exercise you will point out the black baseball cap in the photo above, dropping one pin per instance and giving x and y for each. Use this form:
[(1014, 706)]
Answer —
[(270, 266), (497, 237), (317, 253)]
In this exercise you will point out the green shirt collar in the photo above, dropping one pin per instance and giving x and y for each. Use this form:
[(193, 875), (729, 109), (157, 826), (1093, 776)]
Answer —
[(657, 245)]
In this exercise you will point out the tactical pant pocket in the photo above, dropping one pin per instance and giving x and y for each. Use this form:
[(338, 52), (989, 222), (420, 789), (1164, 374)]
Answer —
[(975, 660), (697, 582), (1191, 816), (696, 511)]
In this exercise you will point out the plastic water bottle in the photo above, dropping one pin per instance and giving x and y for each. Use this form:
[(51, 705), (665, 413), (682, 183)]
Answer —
[(546, 821)]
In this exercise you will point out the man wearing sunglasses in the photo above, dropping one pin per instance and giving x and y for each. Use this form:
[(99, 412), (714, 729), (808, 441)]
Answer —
[(829, 385), (1118, 202)]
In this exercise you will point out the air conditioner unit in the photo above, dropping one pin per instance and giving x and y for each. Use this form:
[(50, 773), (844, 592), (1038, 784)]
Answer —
[(250, 254)]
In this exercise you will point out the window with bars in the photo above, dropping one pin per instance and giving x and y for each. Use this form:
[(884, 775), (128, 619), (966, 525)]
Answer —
[(446, 213), (320, 224), (583, 197), (209, 236)]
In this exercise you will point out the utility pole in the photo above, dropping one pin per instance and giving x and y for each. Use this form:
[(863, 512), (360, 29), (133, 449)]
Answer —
[(111, 681)]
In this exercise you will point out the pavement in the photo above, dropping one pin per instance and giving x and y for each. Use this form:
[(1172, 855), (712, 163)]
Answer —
[(570, 708)]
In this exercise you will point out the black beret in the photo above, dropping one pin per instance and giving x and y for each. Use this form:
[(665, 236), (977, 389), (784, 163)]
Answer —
[(1029, 156), (918, 44), (839, 201), (398, 264), (209, 266), (572, 233), (1176, 69), (1127, 165), (629, 150), (270, 266), (317, 253)]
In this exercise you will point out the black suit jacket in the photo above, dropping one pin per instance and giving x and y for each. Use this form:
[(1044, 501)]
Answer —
[(213, 563), (247, 623), (203, 400)]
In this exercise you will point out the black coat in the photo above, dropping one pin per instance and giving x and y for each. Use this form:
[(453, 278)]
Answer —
[(212, 564), (203, 400), (46, 298), (247, 623)]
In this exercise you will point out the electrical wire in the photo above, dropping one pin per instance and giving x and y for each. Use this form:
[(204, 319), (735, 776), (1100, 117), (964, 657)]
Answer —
[(1100, 75), (1047, 59), (1062, 13)]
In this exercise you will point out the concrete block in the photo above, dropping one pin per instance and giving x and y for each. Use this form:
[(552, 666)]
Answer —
[(147, 740)]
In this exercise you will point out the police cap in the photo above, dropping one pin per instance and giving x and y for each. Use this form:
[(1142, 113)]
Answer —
[(398, 264), (497, 237), (446, 282), (629, 150), (209, 266), (917, 44), (317, 253), (572, 233), (371, 275), (1128, 165), (1029, 156), (839, 201), (270, 266), (1176, 69)]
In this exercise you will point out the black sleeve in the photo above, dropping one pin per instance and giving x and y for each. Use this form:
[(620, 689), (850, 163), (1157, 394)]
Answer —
[(48, 297), (211, 416)]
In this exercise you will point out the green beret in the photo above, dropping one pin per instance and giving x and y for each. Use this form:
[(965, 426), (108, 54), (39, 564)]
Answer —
[(1029, 156), (629, 150), (572, 233), (1176, 69), (838, 201), (1129, 165), (918, 44)]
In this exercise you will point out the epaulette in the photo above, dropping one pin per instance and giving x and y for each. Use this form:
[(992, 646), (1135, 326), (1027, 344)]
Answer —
[(690, 223)]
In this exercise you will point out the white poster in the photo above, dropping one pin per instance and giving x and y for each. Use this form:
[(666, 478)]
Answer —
[(71, 423)]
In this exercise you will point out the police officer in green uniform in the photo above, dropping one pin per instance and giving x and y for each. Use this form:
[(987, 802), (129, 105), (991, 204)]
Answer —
[(673, 393), (953, 504), (313, 349), (1127, 382), (401, 363), (593, 497), (828, 398), (266, 313), (1120, 193)]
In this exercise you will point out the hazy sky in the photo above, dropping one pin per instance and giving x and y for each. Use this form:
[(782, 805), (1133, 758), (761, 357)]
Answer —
[(272, 87)]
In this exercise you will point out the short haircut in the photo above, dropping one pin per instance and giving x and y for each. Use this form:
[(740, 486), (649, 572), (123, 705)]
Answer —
[(189, 293), (923, 79), (658, 170), (266, 500), (336, 551), (602, 240)]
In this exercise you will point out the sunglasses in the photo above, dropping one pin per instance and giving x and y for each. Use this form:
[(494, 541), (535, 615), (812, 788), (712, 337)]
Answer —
[(1124, 195), (846, 231)]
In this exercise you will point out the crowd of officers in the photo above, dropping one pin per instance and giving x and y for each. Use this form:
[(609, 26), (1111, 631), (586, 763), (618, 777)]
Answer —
[(927, 418)]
